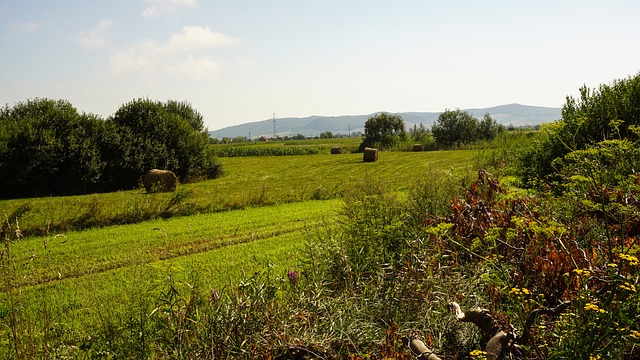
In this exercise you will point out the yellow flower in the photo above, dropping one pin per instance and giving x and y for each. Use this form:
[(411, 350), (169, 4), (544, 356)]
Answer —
[(633, 261), (582, 272), (593, 307), (627, 286), (594, 357), (479, 354), (518, 292), (635, 334)]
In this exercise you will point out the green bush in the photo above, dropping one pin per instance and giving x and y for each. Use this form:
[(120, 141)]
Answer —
[(167, 136), (606, 113), (48, 148), (455, 128)]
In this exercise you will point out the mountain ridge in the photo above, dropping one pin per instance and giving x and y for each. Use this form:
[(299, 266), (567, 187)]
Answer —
[(510, 114)]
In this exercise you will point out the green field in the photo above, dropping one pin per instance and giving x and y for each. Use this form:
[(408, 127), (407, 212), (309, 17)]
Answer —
[(272, 205), (287, 147), (248, 181), (76, 275)]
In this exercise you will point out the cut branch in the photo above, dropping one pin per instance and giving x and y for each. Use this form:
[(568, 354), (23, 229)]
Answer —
[(420, 350)]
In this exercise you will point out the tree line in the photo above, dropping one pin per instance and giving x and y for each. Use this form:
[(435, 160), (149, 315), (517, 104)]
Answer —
[(453, 128), (48, 148)]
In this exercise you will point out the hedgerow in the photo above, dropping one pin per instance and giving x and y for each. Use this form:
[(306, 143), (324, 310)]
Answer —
[(48, 148)]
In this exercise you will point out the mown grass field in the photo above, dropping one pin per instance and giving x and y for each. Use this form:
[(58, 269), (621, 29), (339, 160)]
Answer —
[(76, 276), (248, 181), (272, 205)]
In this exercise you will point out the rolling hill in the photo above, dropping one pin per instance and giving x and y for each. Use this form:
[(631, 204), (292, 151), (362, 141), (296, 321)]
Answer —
[(511, 114)]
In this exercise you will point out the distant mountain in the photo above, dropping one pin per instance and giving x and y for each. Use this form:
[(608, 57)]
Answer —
[(512, 114)]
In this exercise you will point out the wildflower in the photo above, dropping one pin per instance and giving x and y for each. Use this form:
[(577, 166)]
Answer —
[(293, 277), (518, 292), (478, 354), (635, 334), (593, 307), (582, 272), (594, 357), (627, 286), (633, 261), (612, 265)]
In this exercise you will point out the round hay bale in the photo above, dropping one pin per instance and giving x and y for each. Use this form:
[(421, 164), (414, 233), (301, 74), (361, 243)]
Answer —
[(336, 150), (370, 155), (158, 180), (418, 147)]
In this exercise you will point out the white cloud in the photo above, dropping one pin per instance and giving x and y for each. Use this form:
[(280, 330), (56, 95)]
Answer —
[(194, 68), (96, 37), (195, 38), (161, 7), (193, 43)]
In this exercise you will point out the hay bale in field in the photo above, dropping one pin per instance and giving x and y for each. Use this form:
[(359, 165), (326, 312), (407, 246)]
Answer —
[(418, 147), (336, 150), (370, 155), (158, 180)]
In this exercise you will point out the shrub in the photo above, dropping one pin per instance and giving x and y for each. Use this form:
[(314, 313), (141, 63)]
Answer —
[(48, 148), (606, 113), (455, 128), (164, 136)]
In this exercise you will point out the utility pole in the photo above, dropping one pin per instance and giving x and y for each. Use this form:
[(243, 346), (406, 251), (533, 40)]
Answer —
[(274, 126)]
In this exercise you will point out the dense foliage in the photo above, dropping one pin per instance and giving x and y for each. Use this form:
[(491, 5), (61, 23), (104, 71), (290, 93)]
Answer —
[(605, 113), (456, 127), (421, 135), (47, 147), (163, 135), (383, 131)]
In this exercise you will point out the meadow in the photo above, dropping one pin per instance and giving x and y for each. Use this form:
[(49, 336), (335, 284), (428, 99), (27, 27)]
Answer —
[(325, 256), (248, 181), (73, 260)]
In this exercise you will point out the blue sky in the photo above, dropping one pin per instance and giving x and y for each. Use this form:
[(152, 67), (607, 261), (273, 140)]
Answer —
[(243, 61)]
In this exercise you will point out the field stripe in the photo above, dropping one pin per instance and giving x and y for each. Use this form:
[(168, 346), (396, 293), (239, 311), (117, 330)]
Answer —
[(78, 254)]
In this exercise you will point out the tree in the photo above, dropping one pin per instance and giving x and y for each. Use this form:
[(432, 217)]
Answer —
[(187, 113), (326, 135), (167, 136), (421, 135), (383, 131), (454, 128), (488, 128), (47, 147)]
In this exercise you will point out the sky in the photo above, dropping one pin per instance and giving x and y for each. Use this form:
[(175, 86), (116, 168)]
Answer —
[(241, 61)]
